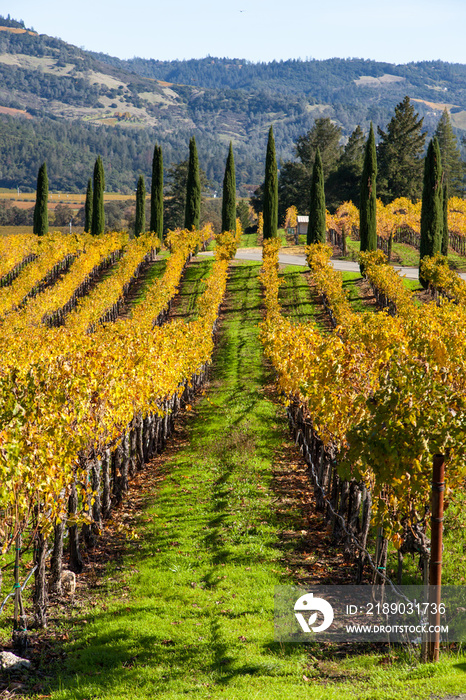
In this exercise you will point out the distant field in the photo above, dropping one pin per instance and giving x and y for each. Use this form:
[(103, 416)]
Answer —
[(59, 197), (13, 230), (26, 200)]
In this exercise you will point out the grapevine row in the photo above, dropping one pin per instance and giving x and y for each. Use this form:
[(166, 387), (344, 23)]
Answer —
[(441, 279), (398, 221), (104, 302), (385, 393), (74, 397), (16, 252), (55, 255)]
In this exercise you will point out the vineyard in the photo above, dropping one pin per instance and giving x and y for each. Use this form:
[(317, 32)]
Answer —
[(106, 344), (384, 392), (397, 222), (88, 401)]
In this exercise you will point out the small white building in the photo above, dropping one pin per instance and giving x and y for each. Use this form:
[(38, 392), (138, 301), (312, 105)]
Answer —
[(300, 228), (303, 222)]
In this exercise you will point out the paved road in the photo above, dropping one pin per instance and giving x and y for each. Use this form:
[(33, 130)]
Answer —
[(410, 273)]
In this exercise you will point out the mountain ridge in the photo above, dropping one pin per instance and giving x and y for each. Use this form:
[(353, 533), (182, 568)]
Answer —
[(115, 105)]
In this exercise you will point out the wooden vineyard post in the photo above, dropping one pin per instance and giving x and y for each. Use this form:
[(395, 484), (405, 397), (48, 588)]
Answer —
[(19, 631), (435, 570)]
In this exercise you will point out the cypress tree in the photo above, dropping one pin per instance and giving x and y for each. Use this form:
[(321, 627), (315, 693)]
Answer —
[(432, 204), (193, 189), (229, 194), (270, 197), (445, 237), (41, 219), (156, 193), (368, 207), (98, 213), (317, 229), (88, 207), (140, 220)]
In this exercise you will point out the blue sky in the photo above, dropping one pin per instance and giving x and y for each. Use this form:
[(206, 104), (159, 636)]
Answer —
[(398, 31)]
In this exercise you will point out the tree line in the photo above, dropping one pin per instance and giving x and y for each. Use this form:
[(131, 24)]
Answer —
[(94, 208), (403, 170), (400, 156), (325, 171)]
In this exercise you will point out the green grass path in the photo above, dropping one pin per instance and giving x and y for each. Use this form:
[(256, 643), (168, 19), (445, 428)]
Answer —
[(196, 616), (187, 612), (294, 295), (192, 287)]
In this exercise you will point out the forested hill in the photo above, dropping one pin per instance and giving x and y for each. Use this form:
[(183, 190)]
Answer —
[(65, 105), (327, 80)]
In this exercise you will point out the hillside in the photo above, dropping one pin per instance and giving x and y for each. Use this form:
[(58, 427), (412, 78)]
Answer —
[(66, 105)]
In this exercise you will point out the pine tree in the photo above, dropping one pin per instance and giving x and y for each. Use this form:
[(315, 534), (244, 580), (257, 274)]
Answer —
[(368, 205), (175, 202), (400, 153), (243, 214), (432, 204), (453, 167), (317, 229), (193, 189), (344, 184), (294, 183), (156, 197), (270, 190), (445, 236), (324, 135), (41, 219), (140, 219), (98, 212), (229, 194), (88, 207)]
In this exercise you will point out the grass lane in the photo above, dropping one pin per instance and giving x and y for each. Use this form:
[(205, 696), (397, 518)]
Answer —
[(192, 286), (196, 619), (296, 296)]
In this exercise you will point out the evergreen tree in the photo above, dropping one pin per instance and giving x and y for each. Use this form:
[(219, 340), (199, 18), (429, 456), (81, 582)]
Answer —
[(324, 135), (193, 189), (400, 153), (88, 207), (140, 219), (270, 190), (243, 214), (229, 194), (344, 184), (156, 197), (317, 229), (257, 200), (445, 236), (294, 183), (368, 204), (453, 166), (432, 204), (98, 212), (41, 219), (175, 203)]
